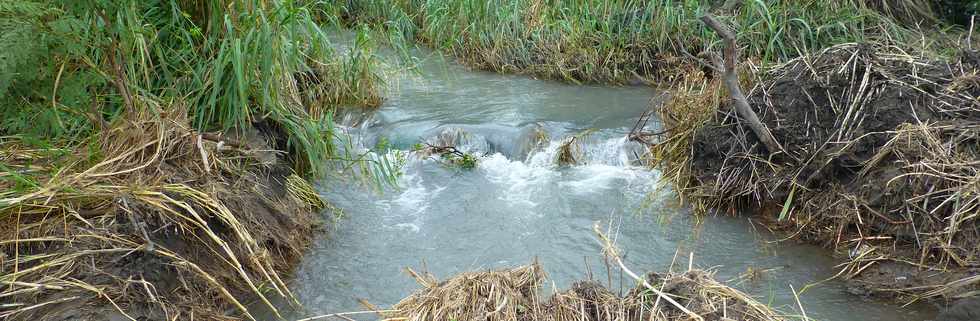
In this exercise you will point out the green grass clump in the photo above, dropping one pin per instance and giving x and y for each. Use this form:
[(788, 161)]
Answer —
[(613, 41), (68, 68)]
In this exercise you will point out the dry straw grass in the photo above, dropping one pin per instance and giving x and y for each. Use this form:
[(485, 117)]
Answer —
[(492, 295), (882, 150), (691, 105), (149, 220), (514, 294)]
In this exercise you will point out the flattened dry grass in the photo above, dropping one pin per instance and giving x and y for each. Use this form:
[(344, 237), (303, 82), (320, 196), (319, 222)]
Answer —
[(513, 294), (166, 225)]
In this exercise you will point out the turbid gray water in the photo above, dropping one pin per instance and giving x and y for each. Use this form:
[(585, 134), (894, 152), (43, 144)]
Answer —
[(517, 205)]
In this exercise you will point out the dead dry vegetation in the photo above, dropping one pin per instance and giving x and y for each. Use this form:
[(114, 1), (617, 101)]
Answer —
[(880, 158), (515, 294), (168, 224)]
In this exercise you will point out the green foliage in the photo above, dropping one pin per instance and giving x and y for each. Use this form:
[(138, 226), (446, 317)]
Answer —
[(467, 161), (461, 160), (36, 46), (609, 41), (68, 65), (382, 145)]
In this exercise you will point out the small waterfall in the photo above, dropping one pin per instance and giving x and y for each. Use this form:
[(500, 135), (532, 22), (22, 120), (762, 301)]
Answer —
[(617, 151)]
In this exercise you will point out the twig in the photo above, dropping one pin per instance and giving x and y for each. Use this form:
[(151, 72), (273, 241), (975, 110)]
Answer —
[(637, 134), (611, 251), (969, 37)]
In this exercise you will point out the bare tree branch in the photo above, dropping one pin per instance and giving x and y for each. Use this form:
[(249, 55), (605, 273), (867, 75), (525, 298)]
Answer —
[(731, 82)]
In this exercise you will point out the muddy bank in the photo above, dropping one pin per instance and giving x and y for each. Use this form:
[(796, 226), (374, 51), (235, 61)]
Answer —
[(164, 224), (514, 294), (880, 160)]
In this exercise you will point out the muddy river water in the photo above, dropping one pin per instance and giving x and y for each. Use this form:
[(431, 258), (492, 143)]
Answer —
[(517, 205)]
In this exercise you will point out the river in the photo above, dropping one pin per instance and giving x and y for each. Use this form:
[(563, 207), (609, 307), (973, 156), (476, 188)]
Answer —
[(517, 205)]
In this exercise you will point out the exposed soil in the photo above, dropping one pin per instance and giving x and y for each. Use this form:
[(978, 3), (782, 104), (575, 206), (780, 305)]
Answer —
[(175, 241), (881, 161)]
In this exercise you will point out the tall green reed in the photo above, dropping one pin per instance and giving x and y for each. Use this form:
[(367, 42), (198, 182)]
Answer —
[(612, 41), (72, 65)]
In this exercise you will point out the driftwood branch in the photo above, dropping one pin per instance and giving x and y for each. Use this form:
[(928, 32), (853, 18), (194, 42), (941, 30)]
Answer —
[(638, 133), (731, 82)]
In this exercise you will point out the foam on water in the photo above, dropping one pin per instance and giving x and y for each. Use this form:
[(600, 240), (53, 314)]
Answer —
[(588, 179), (412, 202), (520, 181)]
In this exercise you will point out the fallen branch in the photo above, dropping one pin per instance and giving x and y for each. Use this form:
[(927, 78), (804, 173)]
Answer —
[(731, 82)]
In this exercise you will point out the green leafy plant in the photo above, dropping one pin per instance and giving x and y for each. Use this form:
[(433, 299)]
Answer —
[(467, 161)]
